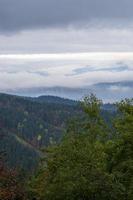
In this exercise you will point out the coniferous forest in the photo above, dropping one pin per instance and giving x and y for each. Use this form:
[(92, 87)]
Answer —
[(58, 149)]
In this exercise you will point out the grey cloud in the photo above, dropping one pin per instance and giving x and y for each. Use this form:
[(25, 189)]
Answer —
[(87, 69), (40, 73), (20, 15), (59, 40)]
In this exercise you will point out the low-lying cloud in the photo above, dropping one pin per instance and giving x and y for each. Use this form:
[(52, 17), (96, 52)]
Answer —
[(69, 70), (87, 69)]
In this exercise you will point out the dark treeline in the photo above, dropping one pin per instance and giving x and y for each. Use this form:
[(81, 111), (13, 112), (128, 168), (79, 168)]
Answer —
[(92, 161)]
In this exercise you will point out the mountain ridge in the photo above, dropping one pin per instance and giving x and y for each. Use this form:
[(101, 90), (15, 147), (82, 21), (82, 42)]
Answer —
[(107, 91)]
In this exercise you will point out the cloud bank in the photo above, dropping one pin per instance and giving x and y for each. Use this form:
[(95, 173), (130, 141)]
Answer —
[(69, 70), (21, 15)]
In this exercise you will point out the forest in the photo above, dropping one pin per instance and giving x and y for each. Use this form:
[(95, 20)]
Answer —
[(58, 149)]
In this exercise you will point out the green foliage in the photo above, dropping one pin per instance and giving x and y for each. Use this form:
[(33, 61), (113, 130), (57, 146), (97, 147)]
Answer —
[(93, 162), (121, 149)]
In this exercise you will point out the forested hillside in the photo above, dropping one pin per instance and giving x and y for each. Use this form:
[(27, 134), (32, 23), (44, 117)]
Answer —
[(28, 124), (93, 162), (64, 149)]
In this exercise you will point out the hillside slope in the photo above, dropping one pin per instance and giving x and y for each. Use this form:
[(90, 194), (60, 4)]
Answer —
[(28, 124)]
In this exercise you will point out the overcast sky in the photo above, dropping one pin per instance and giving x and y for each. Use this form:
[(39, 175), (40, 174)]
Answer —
[(65, 33)]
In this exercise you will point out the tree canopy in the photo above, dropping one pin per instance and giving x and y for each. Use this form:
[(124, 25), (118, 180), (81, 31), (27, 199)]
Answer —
[(93, 162)]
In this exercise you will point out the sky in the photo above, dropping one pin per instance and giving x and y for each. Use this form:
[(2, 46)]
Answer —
[(72, 43)]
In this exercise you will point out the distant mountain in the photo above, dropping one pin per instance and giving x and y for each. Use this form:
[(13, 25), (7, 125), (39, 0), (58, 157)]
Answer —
[(114, 91), (63, 92), (122, 83), (53, 100), (108, 91)]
